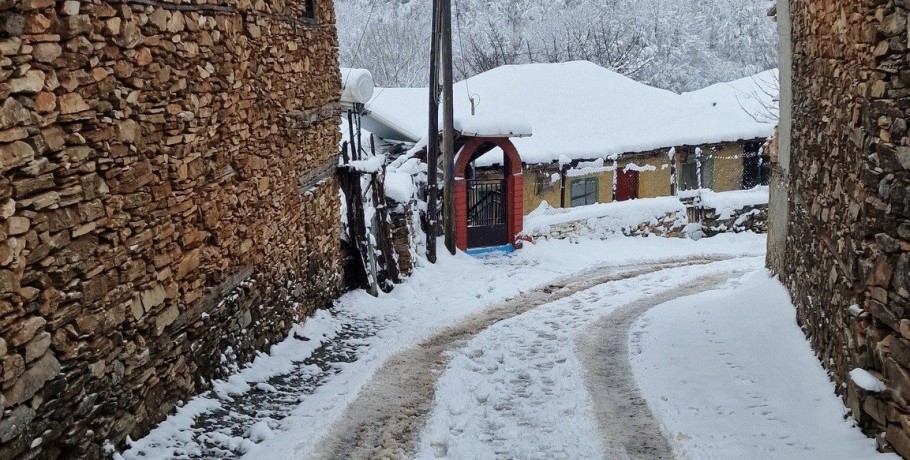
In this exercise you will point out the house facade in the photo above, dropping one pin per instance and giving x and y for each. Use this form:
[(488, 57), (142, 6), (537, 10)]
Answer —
[(723, 167), (601, 137)]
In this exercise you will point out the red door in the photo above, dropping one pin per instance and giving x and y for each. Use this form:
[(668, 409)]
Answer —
[(627, 185)]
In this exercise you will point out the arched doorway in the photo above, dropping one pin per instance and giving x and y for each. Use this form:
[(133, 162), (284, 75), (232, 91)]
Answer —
[(489, 210)]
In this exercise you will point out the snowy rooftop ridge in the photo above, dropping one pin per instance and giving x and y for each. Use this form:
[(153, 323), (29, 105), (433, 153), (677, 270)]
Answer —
[(577, 109)]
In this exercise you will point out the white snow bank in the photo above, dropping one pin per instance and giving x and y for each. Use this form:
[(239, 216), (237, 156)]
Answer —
[(612, 217), (731, 375), (727, 203), (504, 125), (867, 381), (736, 199)]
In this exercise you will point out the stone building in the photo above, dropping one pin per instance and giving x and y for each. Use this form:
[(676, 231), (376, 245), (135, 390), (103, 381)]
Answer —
[(840, 198), (168, 204)]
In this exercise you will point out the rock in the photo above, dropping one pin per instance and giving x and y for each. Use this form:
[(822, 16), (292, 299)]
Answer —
[(30, 83), (46, 102), (153, 297), (14, 424), (35, 348), (23, 331), (189, 263), (9, 282), (12, 114), (166, 318), (32, 380), (17, 225), (70, 8), (903, 156), (10, 46), (13, 134), (898, 439), (129, 131), (27, 5), (72, 103), (15, 154), (46, 52)]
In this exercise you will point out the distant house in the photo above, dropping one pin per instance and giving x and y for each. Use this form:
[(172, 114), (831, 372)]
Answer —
[(599, 136)]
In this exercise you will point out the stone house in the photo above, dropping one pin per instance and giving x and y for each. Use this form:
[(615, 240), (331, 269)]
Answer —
[(585, 117), (168, 204), (839, 233)]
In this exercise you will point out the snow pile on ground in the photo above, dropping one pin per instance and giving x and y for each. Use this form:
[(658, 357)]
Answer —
[(577, 109), (605, 219), (731, 375)]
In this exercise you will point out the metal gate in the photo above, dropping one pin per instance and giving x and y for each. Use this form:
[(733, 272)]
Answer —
[(486, 213)]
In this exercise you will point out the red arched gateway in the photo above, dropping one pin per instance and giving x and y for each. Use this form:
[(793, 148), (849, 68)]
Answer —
[(489, 211)]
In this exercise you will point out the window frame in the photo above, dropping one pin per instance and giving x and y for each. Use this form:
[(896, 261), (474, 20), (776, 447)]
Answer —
[(588, 194), (310, 11), (544, 182)]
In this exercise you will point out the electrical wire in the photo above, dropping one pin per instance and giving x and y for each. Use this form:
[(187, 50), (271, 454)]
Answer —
[(464, 62)]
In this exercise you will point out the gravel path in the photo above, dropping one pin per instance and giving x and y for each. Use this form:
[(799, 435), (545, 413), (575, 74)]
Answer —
[(386, 419), (629, 429)]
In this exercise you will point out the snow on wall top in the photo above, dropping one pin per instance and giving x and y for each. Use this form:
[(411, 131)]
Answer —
[(577, 109), (493, 126)]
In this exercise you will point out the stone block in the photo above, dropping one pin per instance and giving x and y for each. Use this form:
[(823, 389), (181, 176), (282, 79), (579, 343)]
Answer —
[(32, 380), (15, 154)]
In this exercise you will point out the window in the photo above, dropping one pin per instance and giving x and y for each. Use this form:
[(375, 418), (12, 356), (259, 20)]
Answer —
[(543, 182), (756, 166), (584, 191), (687, 175), (309, 10)]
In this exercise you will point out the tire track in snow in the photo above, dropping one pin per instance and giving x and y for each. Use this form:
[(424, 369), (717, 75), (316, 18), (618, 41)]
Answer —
[(628, 427), (386, 418)]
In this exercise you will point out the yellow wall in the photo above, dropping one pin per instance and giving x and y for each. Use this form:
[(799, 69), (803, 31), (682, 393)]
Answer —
[(728, 171), (652, 184), (531, 199), (728, 168)]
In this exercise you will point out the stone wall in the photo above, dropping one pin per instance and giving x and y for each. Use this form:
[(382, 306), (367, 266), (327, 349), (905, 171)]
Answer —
[(167, 194), (752, 218), (847, 255)]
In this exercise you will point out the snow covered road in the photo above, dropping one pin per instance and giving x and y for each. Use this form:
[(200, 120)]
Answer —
[(525, 356), (500, 348)]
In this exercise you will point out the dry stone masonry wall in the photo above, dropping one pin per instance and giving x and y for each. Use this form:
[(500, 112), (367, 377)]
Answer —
[(167, 193), (847, 258)]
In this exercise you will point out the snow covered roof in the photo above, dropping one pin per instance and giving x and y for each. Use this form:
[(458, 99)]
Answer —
[(751, 99), (577, 109)]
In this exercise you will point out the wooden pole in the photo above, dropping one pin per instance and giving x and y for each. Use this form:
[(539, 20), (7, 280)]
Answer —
[(433, 142), (448, 122)]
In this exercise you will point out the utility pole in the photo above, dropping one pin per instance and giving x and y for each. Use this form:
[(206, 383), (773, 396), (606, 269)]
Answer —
[(433, 141), (448, 122)]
